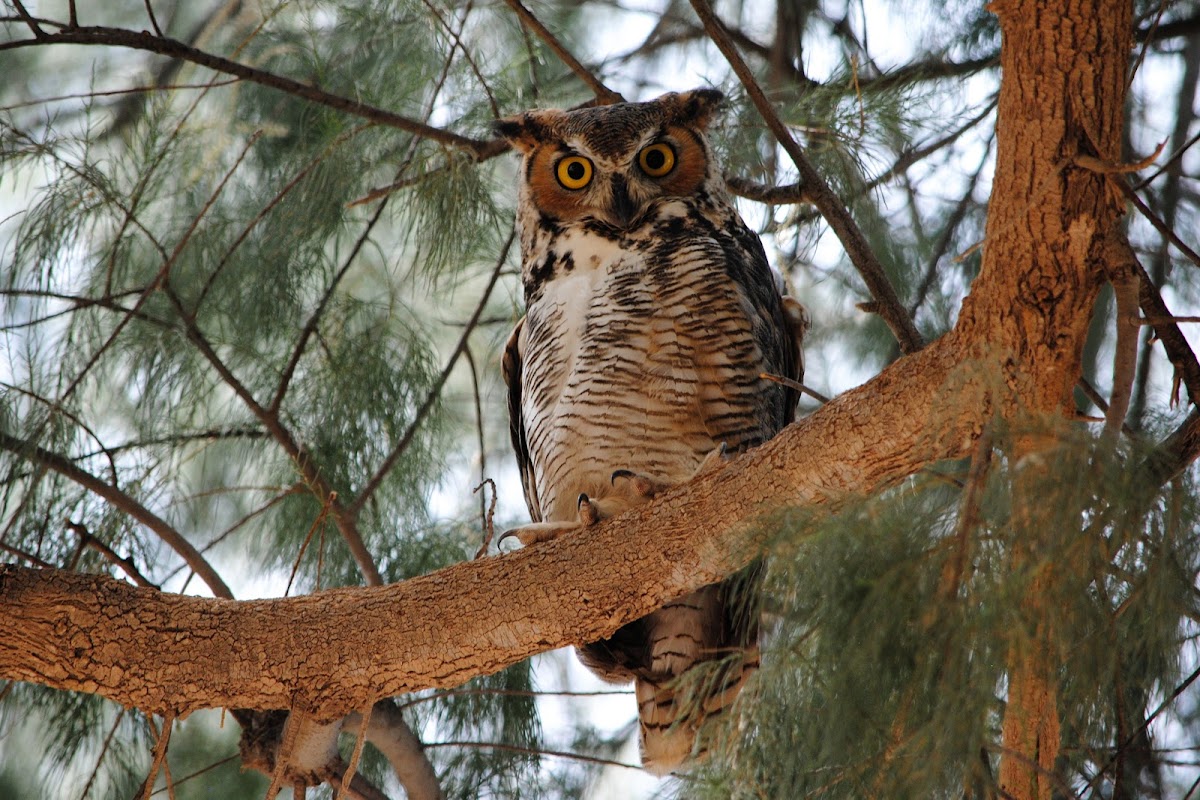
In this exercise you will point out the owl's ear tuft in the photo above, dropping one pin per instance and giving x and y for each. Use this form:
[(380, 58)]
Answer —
[(524, 131), (698, 106)]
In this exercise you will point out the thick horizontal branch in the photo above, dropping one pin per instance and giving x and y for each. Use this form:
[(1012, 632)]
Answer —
[(336, 651)]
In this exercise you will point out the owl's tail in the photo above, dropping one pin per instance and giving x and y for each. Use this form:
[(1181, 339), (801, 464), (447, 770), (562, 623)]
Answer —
[(696, 673)]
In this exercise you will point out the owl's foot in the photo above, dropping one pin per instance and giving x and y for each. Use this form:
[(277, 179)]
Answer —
[(589, 514), (637, 488), (716, 459)]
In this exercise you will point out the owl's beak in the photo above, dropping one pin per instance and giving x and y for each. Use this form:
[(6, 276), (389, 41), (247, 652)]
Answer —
[(622, 210)]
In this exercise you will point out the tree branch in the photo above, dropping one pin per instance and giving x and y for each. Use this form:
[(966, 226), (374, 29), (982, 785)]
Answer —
[(887, 304), (122, 501), (142, 40), (603, 94)]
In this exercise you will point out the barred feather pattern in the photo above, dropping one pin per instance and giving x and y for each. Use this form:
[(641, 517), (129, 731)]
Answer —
[(643, 347)]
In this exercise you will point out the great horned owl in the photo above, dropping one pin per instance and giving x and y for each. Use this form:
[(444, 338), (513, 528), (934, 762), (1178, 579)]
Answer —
[(651, 314)]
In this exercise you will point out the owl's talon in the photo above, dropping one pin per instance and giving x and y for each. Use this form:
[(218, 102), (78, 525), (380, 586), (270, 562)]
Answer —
[(537, 532), (637, 488), (589, 514), (715, 459)]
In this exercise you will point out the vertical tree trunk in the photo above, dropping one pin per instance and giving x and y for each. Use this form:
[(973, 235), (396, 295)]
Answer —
[(1050, 224)]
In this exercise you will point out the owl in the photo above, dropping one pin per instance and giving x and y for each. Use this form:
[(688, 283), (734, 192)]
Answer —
[(651, 316)]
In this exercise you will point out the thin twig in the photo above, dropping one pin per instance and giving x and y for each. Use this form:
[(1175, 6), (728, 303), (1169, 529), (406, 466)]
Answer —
[(489, 529), (1154, 220), (30, 21), (603, 94), (797, 385), (126, 564), (322, 515), (149, 12), (771, 195), (887, 303), (477, 396), (359, 740), (170, 87), (1122, 275), (122, 501), (512, 748), (1178, 351), (160, 755), (1188, 681), (436, 390), (287, 188), (87, 787), (145, 41), (203, 770), (1166, 165)]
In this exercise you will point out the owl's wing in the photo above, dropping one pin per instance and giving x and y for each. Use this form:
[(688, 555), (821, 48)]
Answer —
[(795, 325), (511, 365)]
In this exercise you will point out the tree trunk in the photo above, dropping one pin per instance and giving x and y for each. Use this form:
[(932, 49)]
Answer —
[(1051, 227)]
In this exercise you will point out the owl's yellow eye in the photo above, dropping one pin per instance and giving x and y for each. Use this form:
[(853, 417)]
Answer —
[(574, 172), (657, 160)]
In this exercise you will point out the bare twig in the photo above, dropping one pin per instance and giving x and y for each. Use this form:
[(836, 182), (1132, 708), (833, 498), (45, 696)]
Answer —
[(120, 500), (435, 390), (1156, 221), (347, 777), (887, 303), (1179, 352), (126, 564), (29, 20), (160, 755), (1122, 274), (1175, 453), (145, 89), (771, 195), (603, 94), (1166, 165), (202, 770), (322, 515), (945, 238), (534, 751), (87, 787), (149, 13), (797, 385), (488, 529)]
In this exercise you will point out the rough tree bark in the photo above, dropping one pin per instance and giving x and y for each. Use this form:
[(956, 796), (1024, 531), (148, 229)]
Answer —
[(1052, 234), (1015, 351)]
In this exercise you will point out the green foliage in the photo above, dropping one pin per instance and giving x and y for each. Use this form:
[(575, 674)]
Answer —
[(203, 292), (893, 622)]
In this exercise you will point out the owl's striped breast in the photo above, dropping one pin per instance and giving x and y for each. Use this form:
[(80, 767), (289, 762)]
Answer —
[(641, 357)]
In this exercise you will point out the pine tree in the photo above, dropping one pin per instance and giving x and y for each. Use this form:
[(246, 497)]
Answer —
[(258, 265)]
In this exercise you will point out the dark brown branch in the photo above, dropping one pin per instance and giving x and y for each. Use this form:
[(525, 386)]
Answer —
[(123, 502), (1177, 452), (142, 40), (29, 20), (887, 303), (126, 564), (604, 95), (771, 195), (1179, 352), (1154, 220)]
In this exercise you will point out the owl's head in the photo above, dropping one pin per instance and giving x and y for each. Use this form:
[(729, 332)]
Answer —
[(614, 164)]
